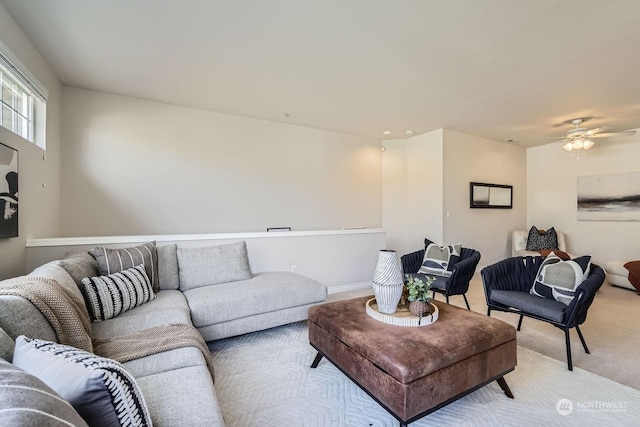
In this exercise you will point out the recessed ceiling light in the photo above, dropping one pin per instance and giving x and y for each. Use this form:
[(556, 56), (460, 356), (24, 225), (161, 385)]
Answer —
[(386, 132), (408, 132)]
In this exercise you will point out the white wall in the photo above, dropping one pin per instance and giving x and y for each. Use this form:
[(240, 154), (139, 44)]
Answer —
[(426, 192), (39, 207), (140, 167), (412, 191), (552, 197), (342, 260), (469, 158)]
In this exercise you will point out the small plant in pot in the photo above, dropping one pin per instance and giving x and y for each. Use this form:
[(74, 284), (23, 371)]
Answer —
[(419, 295)]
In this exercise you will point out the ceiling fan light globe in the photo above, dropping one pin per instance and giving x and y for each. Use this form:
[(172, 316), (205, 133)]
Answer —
[(588, 144), (578, 144), (567, 147)]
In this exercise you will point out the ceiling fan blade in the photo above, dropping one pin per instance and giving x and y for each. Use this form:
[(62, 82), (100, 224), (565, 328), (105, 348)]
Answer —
[(554, 137), (592, 132), (605, 135)]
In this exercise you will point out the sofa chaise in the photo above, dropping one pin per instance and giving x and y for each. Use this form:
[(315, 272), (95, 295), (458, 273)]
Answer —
[(210, 290)]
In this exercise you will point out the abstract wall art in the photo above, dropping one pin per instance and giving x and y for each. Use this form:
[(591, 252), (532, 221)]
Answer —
[(8, 192), (611, 197)]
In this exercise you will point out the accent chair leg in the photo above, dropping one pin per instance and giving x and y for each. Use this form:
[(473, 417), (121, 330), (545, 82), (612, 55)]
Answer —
[(317, 360), (447, 298), (466, 302), (488, 312), (520, 322), (568, 340), (584, 344)]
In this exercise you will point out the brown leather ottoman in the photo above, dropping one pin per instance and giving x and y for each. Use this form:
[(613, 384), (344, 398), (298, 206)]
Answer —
[(412, 371)]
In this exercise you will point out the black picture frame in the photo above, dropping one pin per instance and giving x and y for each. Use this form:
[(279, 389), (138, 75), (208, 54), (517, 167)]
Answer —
[(490, 196), (8, 192)]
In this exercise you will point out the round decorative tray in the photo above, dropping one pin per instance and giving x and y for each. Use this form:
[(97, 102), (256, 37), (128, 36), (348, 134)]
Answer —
[(402, 316)]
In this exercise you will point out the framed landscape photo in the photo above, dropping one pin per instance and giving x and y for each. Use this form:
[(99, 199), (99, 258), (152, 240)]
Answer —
[(493, 196), (8, 192)]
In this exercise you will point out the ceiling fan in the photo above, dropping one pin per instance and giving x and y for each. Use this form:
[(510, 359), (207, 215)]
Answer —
[(581, 138)]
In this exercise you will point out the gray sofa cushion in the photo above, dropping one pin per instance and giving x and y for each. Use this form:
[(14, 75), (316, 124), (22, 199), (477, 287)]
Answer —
[(79, 264), (167, 307), (6, 346), (27, 401), (212, 265), (54, 270), (182, 397), (100, 389), (168, 274), (543, 307), (166, 361), (265, 292), (114, 260), (19, 317)]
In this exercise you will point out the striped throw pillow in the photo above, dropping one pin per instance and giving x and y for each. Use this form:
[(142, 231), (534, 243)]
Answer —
[(108, 296), (99, 389), (114, 260)]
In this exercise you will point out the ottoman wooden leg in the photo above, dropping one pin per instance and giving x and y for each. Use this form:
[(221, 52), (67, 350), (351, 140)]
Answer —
[(317, 360), (505, 387)]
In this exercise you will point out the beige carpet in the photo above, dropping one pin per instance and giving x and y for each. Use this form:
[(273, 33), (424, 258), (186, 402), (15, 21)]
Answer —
[(264, 380)]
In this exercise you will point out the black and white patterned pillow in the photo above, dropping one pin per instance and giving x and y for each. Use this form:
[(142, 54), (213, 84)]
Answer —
[(99, 389), (540, 239), (114, 260), (108, 296), (440, 260), (558, 279)]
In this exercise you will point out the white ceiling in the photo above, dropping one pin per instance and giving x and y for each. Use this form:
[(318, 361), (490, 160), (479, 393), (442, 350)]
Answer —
[(500, 69)]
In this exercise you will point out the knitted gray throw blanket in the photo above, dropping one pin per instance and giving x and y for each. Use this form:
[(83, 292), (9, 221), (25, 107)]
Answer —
[(62, 309), (72, 326), (152, 341)]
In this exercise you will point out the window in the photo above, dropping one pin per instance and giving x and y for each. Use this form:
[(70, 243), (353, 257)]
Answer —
[(17, 107), (22, 99)]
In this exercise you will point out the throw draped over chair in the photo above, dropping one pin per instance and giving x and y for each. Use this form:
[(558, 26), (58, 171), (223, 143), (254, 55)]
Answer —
[(457, 283), (506, 288)]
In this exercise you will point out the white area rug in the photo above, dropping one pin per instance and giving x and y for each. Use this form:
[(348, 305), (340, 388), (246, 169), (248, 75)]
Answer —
[(264, 379)]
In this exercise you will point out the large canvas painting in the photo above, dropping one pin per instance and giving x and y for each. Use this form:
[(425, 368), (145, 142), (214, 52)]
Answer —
[(612, 197), (8, 192)]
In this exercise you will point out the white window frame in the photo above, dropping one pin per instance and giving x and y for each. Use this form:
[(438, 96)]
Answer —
[(15, 76)]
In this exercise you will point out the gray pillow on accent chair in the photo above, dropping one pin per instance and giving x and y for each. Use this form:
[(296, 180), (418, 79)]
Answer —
[(558, 279)]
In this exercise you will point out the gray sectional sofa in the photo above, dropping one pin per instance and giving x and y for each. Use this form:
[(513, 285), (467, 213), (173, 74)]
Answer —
[(211, 289)]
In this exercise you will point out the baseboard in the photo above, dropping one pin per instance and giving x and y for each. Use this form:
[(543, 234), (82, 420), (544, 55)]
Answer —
[(349, 287)]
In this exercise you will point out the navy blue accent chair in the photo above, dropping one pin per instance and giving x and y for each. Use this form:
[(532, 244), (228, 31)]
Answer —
[(506, 288), (457, 283)]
